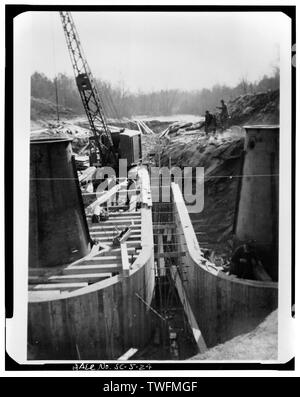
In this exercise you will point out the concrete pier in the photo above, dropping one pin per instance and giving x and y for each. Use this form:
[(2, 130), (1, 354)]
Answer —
[(257, 209), (58, 232)]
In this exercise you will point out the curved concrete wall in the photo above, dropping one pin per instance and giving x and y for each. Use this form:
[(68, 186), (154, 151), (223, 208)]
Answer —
[(101, 321), (223, 306)]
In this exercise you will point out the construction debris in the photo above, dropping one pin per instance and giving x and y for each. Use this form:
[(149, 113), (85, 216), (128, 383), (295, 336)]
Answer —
[(179, 128), (143, 128)]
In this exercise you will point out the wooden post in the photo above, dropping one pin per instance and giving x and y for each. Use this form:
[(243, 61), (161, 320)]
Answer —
[(188, 311), (125, 261)]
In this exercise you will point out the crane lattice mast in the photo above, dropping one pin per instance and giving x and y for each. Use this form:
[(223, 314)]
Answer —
[(87, 88)]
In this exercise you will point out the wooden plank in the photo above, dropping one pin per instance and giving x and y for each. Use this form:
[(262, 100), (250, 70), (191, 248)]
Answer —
[(164, 132), (123, 222), (106, 197), (124, 213), (139, 127), (128, 354), (87, 174), (86, 277), (112, 225), (133, 202), (112, 233), (125, 261), (134, 243), (44, 294), (147, 129), (104, 233), (102, 260), (64, 286), (128, 190), (124, 217), (188, 311), (112, 229), (106, 269)]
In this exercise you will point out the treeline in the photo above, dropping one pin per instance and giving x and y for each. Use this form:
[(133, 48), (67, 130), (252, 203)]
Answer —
[(119, 102)]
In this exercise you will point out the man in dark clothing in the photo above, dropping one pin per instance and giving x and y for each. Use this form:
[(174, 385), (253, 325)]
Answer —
[(243, 262), (223, 114), (246, 263), (209, 122)]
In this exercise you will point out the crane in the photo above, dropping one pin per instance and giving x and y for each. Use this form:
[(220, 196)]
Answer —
[(102, 139)]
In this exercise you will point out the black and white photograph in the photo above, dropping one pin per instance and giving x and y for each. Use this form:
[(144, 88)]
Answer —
[(153, 174)]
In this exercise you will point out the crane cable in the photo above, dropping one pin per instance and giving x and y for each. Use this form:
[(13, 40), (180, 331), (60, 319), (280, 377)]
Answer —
[(108, 101), (54, 67), (115, 112)]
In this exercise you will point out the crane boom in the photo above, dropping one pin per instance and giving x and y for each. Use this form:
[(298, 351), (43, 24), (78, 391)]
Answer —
[(87, 88)]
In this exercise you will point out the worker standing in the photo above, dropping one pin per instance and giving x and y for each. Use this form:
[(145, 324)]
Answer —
[(209, 122), (223, 115)]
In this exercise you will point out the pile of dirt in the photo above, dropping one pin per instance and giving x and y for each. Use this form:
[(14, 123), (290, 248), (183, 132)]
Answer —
[(63, 128), (260, 108), (259, 344), (158, 126)]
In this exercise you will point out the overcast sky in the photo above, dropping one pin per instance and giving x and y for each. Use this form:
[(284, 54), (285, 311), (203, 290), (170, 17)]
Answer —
[(153, 51)]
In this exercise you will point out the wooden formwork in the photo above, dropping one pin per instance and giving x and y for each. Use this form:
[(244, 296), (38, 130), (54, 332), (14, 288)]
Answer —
[(223, 306), (105, 319)]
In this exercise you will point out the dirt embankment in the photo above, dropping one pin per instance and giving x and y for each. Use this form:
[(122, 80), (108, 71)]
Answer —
[(221, 157), (260, 108), (259, 344)]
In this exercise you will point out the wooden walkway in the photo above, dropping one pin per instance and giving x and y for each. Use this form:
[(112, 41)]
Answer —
[(104, 261)]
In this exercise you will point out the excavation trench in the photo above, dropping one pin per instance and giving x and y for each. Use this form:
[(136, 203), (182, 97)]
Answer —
[(173, 338)]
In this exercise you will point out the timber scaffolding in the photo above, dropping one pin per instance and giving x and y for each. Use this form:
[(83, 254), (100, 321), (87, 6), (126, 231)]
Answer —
[(217, 306), (178, 330)]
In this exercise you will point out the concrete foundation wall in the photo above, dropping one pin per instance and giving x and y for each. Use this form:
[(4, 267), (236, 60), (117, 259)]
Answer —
[(101, 324), (101, 321), (223, 306)]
